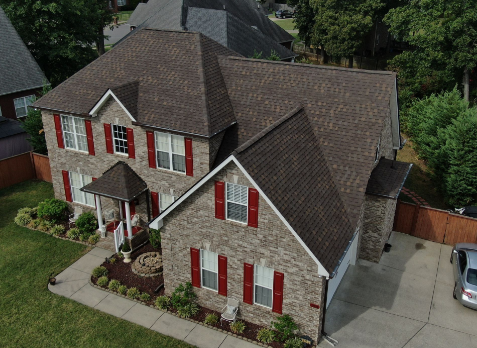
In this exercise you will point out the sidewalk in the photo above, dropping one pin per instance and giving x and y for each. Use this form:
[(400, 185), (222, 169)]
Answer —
[(73, 283)]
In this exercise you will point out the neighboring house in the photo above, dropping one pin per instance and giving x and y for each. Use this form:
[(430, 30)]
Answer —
[(117, 5), (265, 186), (236, 24), (21, 79), (13, 138)]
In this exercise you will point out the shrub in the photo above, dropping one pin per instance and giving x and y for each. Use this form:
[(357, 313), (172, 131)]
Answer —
[(53, 210), (45, 226), (120, 255), (114, 285), (112, 260), (145, 297), (286, 327), (163, 302), (265, 335), (237, 327), (87, 223), (93, 239), (103, 281), (83, 237), (133, 293), (73, 233), (155, 238), (122, 289), (100, 272), (126, 247), (57, 230), (182, 296), (294, 343), (34, 223), (211, 319), (22, 219), (188, 310), (28, 211)]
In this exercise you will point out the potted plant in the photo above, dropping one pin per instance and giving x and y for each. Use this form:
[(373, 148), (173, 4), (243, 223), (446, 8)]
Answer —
[(52, 279), (126, 250)]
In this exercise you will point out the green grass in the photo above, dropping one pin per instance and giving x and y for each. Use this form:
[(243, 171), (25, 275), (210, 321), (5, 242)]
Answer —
[(286, 24), (30, 315), (123, 16)]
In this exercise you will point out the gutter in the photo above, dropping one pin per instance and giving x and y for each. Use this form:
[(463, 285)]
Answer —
[(114, 197), (182, 132)]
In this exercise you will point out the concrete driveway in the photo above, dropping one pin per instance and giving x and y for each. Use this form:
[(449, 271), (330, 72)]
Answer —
[(404, 301)]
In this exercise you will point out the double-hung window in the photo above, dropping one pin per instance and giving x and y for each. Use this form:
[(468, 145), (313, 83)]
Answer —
[(21, 105), (237, 197), (77, 181), (165, 201), (263, 286), (209, 269), (121, 2), (120, 139), (74, 133), (170, 152)]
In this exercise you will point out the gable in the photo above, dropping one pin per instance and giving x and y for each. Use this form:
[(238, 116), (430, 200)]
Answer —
[(108, 98)]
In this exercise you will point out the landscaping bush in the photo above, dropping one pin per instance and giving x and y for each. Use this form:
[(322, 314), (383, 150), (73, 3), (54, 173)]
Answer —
[(102, 281), (133, 293), (73, 233), (237, 327), (100, 272), (182, 296), (22, 219), (112, 260), (93, 239), (155, 238), (53, 210), (45, 226), (286, 327), (87, 223), (294, 343), (84, 237), (265, 335), (211, 319), (122, 289), (145, 297), (34, 223), (28, 211), (188, 310), (163, 302), (114, 285), (57, 230)]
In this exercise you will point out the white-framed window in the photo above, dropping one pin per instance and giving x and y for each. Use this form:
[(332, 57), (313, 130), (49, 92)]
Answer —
[(209, 265), (170, 152), (237, 202), (121, 2), (120, 139), (376, 157), (74, 133), (263, 286), (77, 181), (21, 105), (165, 200)]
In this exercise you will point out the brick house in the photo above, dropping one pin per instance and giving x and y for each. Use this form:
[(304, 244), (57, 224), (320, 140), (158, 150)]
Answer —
[(265, 186)]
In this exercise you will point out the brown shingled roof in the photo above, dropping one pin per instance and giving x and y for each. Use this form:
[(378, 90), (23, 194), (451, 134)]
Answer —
[(387, 178)]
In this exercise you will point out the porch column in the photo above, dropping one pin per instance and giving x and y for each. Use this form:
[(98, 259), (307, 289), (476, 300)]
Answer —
[(99, 211), (128, 219)]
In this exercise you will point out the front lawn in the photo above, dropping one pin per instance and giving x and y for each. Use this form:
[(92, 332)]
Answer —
[(286, 24), (31, 316)]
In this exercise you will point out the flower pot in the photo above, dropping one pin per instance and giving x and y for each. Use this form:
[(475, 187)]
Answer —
[(127, 256), (52, 281)]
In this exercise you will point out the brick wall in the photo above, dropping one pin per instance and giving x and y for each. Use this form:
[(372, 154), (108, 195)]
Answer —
[(193, 224)]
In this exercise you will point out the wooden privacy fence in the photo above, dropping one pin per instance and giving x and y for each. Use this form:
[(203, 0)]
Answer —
[(24, 167), (433, 224)]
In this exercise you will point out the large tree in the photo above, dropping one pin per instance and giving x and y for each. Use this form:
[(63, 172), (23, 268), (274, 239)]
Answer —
[(443, 37), (304, 18), (59, 33)]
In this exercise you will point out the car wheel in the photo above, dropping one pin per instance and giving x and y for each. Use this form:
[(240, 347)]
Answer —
[(453, 293)]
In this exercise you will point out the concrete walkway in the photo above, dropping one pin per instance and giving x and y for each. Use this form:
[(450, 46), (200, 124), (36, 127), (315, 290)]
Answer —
[(73, 283)]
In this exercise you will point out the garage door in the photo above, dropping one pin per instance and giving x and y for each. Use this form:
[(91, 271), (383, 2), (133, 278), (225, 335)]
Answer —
[(350, 258)]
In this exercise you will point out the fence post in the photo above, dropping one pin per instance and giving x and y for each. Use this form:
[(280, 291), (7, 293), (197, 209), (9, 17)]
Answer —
[(32, 158), (415, 218)]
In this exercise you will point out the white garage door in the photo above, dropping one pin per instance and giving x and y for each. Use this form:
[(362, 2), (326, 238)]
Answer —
[(350, 258)]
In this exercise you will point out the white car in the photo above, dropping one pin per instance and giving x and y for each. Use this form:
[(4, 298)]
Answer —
[(464, 260)]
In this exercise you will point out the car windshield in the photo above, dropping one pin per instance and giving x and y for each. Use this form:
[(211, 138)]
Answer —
[(472, 276)]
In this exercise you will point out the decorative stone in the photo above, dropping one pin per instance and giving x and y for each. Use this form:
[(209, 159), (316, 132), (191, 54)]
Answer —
[(148, 264)]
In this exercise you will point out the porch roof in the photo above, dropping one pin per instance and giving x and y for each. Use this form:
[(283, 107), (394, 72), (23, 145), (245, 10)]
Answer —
[(118, 182), (387, 178)]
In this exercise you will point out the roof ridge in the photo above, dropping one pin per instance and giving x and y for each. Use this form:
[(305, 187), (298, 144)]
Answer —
[(268, 129)]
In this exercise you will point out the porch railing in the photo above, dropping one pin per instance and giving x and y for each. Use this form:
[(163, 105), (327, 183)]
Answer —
[(119, 236)]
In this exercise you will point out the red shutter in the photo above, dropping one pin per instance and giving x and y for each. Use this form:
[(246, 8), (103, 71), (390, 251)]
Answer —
[(248, 283), (59, 132), (220, 200), (222, 275), (253, 207), (89, 136), (131, 149), (109, 138), (195, 266), (155, 204), (277, 292), (188, 157), (151, 150), (66, 183)]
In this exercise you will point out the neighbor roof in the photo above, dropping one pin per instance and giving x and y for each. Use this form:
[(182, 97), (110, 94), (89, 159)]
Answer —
[(387, 178), (10, 127), (18, 69), (118, 182)]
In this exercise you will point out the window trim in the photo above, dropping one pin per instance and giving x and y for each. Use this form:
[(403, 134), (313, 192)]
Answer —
[(227, 204), (254, 285), (114, 140), (171, 165), (26, 105), (75, 134), (83, 193), (174, 198), (216, 273)]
